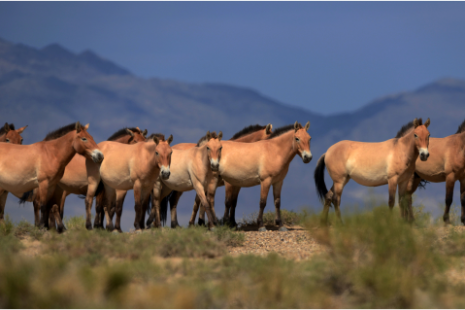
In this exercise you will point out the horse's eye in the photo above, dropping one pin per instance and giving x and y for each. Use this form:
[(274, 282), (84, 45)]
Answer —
[(208, 149), (156, 153), (7, 140), (84, 139), (415, 135), (297, 139)]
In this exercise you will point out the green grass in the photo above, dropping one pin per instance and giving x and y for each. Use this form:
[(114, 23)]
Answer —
[(373, 260)]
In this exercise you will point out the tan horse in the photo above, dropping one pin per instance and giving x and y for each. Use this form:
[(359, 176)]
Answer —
[(42, 164), (265, 163), (135, 167), (8, 134), (249, 134), (193, 168), (446, 164), (390, 162)]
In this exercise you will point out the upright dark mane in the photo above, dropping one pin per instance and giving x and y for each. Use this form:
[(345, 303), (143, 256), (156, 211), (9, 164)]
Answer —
[(121, 133), (204, 138), (60, 132), (160, 136), (461, 128), (247, 130), (406, 128), (281, 130), (3, 131)]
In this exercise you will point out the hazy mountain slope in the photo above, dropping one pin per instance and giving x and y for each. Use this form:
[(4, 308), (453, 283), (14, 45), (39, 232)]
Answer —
[(51, 87)]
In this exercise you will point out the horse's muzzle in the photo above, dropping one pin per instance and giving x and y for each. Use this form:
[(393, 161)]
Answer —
[(424, 154), (214, 165), (97, 156), (165, 174), (307, 157)]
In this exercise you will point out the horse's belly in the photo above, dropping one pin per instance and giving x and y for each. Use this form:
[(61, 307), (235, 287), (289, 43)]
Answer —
[(245, 181), (179, 183), (18, 184)]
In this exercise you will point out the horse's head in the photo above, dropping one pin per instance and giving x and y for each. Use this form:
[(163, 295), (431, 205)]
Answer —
[(163, 154), (214, 148), (136, 135), (302, 141), (421, 136), (9, 134), (85, 145)]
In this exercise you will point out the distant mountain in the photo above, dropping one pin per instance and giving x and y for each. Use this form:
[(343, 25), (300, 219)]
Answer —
[(51, 87)]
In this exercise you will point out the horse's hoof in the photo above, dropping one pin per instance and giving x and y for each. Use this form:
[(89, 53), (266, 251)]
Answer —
[(89, 226), (262, 229), (282, 228)]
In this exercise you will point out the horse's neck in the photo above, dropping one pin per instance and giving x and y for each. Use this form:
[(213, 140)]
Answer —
[(285, 144), (63, 148), (252, 137), (123, 139), (408, 143)]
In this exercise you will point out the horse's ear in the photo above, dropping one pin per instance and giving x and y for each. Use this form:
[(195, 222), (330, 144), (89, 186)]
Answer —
[(129, 132), (208, 135), (6, 127), (307, 125), (416, 123), (296, 126), (86, 126), (170, 139), (155, 139), (144, 133), (78, 127), (220, 135), (268, 129), (20, 130), (427, 123)]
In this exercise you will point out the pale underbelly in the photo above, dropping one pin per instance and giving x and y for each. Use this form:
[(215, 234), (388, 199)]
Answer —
[(18, 185)]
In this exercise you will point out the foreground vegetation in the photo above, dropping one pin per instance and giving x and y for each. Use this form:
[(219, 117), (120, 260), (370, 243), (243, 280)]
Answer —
[(373, 260)]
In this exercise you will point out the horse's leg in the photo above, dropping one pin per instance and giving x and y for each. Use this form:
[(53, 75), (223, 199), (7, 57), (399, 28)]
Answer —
[(155, 212), (194, 212), (231, 199), (462, 200), (277, 204), (210, 193), (202, 211), (91, 189), (3, 196), (392, 187), (327, 205), (62, 204), (264, 189), (405, 200), (338, 188), (120, 196), (36, 205), (204, 201), (110, 195), (450, 183), (44, 192), (174, 199)]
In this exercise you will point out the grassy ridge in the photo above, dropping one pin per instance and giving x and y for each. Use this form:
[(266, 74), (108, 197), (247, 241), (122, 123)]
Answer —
[(373, 260)]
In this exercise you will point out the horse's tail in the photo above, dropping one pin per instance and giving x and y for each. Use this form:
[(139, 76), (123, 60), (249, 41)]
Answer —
[(423, 182), (164, 208), (27, 196), (319, 177)]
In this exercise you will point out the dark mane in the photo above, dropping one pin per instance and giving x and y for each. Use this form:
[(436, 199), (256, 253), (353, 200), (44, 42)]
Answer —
[(3, 131), (461, 128), (247, 130), (121, 133), (282, 130), (160, 136), (60, 132), (204, 138), (406, 128)]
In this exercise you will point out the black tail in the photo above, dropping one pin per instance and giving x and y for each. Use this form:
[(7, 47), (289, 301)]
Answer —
[(423, 182), (164, 208), (319, 176), (27, 196), (100, 189)]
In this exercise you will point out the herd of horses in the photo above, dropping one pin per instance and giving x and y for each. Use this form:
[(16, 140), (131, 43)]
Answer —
[(69, 161)]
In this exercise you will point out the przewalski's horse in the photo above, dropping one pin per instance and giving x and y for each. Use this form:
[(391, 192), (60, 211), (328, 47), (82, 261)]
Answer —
[(42, 164), (82, 176), (8, 134), (265, 163), (446, 164), (136, 167), (390, 162), (193, 168), (252, 133)]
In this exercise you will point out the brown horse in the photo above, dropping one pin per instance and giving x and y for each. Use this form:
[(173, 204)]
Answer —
[(446, 164), (42, 164), (265, 163), (390, 162), (8, 134), (135, 167), (250, 134), (193, 168)]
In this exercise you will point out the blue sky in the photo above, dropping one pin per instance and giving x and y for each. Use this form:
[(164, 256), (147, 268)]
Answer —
[(325, 56)]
